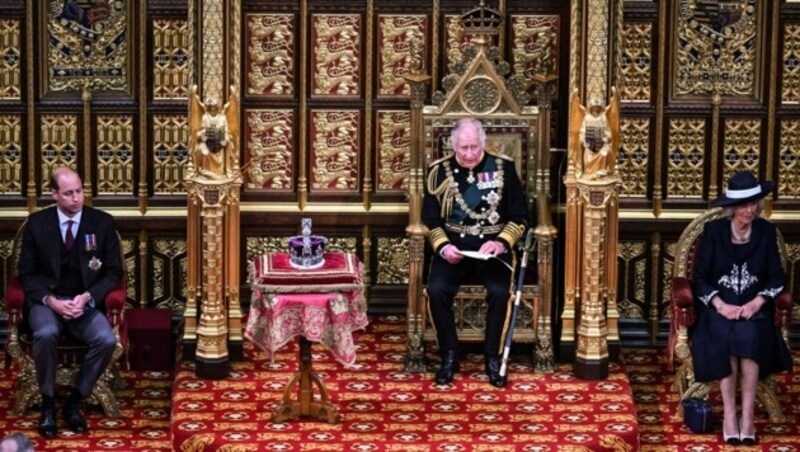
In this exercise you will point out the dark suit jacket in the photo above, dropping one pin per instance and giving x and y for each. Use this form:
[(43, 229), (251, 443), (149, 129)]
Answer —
[(39, 265)]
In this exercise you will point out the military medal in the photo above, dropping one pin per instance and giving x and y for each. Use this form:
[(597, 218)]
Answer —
[(95, 263), (90, 242), (471, 177), (487, 180)]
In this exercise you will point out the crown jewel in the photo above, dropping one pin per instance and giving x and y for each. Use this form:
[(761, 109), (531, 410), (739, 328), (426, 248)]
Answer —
[(481, 20), (307, 251)]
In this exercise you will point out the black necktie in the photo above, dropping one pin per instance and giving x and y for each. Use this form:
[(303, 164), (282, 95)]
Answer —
[(70, 238)]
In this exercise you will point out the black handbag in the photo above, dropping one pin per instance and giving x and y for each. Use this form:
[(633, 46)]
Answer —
[(697, 415)]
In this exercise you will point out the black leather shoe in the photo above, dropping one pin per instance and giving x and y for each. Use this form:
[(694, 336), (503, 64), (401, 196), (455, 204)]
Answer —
[(74, 418), (449, 368), (493, 372), (47, 422)]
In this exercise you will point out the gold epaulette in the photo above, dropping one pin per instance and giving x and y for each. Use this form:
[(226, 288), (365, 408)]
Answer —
[(438, 161), (499, 155)]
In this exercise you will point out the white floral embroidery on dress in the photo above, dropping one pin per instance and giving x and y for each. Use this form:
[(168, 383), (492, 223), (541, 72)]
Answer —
[(772, 293), (738, 280)]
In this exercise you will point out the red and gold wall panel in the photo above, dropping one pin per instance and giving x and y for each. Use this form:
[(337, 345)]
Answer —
[(269, 135), (269, 54)]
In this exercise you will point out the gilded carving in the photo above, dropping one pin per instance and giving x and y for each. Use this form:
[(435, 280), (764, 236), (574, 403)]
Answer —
[(335, 148), (742, 146), (130, 257), (10, 61), (260, 245), (394, 148), (789, 159), (686, 157), (597, 48), (633, 268), (342, 244), (395, 37), (337, 55), (392, 260), (10, 154), (87, 42), (535, 45), (6, 247), (115, 150), (214, 136), (213, 49), (633, 158), (168, 257), (480, 95), (170, 153), (270, 145), (667, 264), (270, 54), (718, 51), (171, 59), (456, 41), (59, 144), (636, 61), (791, 64)]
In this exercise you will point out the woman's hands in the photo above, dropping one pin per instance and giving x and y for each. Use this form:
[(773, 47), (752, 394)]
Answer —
[(733, 312), (752, 307)]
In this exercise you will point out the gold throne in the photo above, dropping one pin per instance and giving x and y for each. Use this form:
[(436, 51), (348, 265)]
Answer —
[(682, 317), (477, 88)]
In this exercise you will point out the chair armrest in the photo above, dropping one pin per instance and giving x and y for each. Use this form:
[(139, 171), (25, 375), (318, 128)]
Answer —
[(15, 300), (682, 295), (783, 310), (115, 304), (681, 311)]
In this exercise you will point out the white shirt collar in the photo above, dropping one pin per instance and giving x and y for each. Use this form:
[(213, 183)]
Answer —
[(62, 218)]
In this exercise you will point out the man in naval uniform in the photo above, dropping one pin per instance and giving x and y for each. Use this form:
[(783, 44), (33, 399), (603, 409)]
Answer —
[(473, 202)]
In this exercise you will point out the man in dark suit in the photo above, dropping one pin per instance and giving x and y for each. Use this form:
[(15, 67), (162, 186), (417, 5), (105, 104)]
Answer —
[(474, 202), (69, 260)]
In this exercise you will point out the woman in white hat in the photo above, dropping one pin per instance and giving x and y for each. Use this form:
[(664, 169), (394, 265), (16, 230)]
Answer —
[(737, 275)]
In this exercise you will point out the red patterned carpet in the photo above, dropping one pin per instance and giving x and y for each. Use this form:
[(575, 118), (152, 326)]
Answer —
[(383, 408), (656, 404)]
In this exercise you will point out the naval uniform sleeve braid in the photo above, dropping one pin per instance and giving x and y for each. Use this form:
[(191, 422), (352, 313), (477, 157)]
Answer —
[(515, 212)]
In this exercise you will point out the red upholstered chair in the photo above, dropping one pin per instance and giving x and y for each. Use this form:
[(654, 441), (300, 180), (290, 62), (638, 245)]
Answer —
[(70, 352), (682, 317)]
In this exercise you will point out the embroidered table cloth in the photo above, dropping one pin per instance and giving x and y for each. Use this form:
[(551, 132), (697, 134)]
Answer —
[(324, 305)]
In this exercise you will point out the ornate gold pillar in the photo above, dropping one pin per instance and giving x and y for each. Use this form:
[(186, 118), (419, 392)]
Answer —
[(416, 231), (594, 29), (598, 206), (212, 331)]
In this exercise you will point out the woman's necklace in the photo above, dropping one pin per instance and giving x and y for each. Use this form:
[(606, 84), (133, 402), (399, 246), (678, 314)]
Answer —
[(740, 238)]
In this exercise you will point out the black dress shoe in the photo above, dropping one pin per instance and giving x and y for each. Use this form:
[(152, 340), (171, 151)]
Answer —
[(74, 418), (47, 422), (449, 368), (493, 372)]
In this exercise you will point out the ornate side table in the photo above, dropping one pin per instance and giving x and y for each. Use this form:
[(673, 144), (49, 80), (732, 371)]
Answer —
[(324, 305)]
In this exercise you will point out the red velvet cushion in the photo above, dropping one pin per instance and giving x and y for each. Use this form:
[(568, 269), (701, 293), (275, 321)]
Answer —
[(274, 273)]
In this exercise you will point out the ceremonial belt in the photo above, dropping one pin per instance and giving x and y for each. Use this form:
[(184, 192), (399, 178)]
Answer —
[(474, 229)]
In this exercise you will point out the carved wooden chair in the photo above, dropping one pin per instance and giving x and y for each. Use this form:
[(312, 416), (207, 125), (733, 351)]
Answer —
[(70, 351), (477, 88), (682, 317)]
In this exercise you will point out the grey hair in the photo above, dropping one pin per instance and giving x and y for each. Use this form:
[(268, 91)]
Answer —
[(464, 123), (727, 212)]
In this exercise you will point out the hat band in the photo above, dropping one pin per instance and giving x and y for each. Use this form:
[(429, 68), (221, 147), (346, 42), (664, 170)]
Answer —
[(741, 194)]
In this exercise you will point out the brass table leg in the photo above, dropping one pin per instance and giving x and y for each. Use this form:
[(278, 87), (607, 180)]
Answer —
[(305, 406)]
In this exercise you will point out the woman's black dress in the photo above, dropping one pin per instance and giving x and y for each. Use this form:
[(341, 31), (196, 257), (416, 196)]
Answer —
[(737, 273)]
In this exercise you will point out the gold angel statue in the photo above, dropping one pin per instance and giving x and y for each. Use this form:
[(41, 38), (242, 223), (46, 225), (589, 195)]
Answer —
[(214, 135), (594, 136)]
